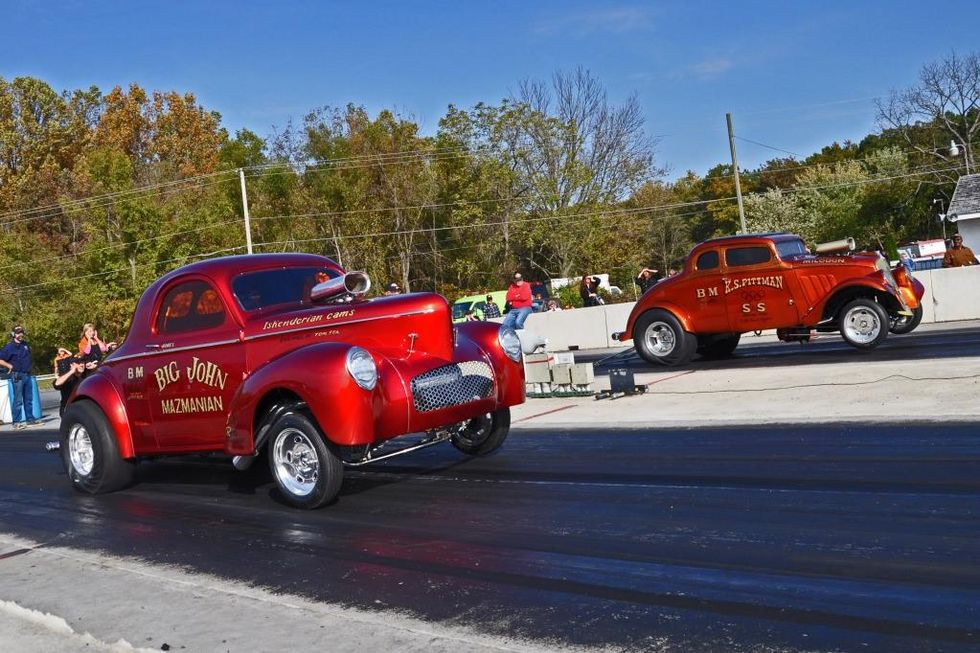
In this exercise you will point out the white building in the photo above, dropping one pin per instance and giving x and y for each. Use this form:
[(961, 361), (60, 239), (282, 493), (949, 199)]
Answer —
[(964, 210)]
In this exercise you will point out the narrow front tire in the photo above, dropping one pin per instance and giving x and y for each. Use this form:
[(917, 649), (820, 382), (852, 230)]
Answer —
[(304, 466), (484, 434)]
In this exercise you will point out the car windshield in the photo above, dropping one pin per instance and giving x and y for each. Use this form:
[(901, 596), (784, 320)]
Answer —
[(790, 248), (282, 286), (460, 308)]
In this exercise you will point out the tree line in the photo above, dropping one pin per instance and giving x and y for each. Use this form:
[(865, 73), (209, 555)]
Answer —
[(101, 193)]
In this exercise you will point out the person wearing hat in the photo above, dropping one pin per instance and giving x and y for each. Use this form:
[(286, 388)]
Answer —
[(490, 308), (519, 298), (16, 357), (392, 289)]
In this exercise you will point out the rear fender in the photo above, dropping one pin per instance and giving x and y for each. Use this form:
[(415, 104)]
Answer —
[(682, 316), (99, 389), (317, 376)]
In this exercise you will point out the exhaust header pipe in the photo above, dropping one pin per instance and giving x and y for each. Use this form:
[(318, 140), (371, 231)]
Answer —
[(353, 283), (836, 246)]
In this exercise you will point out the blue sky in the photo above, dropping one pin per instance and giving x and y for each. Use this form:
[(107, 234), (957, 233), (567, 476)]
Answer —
[(795, 75)]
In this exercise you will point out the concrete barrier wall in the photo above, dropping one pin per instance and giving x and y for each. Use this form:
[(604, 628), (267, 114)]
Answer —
[(950, 294)]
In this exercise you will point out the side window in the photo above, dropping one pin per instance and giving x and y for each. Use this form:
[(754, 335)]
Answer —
[(190, 306), (708, 260), (741, 256)]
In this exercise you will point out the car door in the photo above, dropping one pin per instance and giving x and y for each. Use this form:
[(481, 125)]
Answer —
[(196, 363), (704, 293), (756, 289)]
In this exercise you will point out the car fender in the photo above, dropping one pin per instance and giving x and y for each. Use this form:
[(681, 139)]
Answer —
[(482, 337), (317, 375), (642, 307), (851, 288), (98, 388)]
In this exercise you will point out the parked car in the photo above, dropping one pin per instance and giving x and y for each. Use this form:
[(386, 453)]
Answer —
[(730, 286), (280, 356)]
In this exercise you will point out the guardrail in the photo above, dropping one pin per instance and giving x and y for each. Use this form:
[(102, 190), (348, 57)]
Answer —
[(951, 294)]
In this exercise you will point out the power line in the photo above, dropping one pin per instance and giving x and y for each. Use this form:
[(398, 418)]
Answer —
[(120, 244)]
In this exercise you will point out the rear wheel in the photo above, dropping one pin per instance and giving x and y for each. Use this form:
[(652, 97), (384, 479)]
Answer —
[(307, 471), (484, 434), (719, 347), (660, 338), (864, 324), (90, 451), (906, 323)]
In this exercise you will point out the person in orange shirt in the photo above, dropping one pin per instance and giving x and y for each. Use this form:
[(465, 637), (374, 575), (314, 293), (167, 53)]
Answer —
[(959, 254)]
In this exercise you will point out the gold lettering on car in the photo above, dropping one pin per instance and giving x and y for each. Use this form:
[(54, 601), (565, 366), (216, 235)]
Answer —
[(179, 405), (207, 373), (706, 292), (134, 372), (760, 307), (308, 319), (166, 375), (772, 281)]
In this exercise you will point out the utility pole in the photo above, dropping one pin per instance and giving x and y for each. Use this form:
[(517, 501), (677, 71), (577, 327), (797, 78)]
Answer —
[(738, 185), (248, 224)]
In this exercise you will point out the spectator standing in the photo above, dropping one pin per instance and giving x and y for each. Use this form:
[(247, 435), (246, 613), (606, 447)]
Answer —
[(519, 298), (646, 278), (68, 371), (91, 348), (589, 291), (958, 255), (16, 357), (490, 309)]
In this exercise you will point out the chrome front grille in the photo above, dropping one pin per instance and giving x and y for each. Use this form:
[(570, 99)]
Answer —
[(452, 385)]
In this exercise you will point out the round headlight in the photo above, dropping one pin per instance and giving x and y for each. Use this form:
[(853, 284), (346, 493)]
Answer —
[(361, 367), (510, 343)]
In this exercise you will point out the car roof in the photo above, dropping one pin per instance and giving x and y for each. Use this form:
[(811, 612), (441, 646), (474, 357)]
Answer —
[(776, 236)]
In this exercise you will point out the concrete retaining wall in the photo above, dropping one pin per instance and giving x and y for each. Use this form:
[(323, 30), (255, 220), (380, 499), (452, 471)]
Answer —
[(950, 294)]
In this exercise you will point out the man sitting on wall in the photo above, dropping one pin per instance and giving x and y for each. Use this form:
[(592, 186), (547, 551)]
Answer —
[(959, 254)]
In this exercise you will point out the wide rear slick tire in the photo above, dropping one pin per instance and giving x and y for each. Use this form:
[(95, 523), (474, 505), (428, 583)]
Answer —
[(905, 323), (659, 338), (484, 434), (307, 471), (719, 347), (863, 324), (90, 452)]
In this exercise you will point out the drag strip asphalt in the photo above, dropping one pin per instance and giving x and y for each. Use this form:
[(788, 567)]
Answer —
[(849, 537)]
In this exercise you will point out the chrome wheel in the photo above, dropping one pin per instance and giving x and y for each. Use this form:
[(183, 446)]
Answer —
[(296, 462), (660, 338), (80, 450), (861, 325)]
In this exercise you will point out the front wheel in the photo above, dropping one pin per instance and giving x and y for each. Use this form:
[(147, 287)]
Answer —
[(484, 434), (864, 324), (307, 471), (906, 323), (90, 452), (660, 338)]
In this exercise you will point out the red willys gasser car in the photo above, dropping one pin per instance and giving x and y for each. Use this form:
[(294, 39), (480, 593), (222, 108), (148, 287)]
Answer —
[(280, 355), (735, 285)]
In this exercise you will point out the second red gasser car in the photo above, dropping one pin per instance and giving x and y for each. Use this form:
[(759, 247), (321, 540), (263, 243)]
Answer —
[(281, 356), (739, 284)]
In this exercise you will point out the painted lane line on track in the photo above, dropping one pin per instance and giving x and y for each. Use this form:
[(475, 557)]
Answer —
[(668, 378), (547, 412)]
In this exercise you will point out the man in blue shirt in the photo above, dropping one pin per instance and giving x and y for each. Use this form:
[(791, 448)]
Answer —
[(16, 357)]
